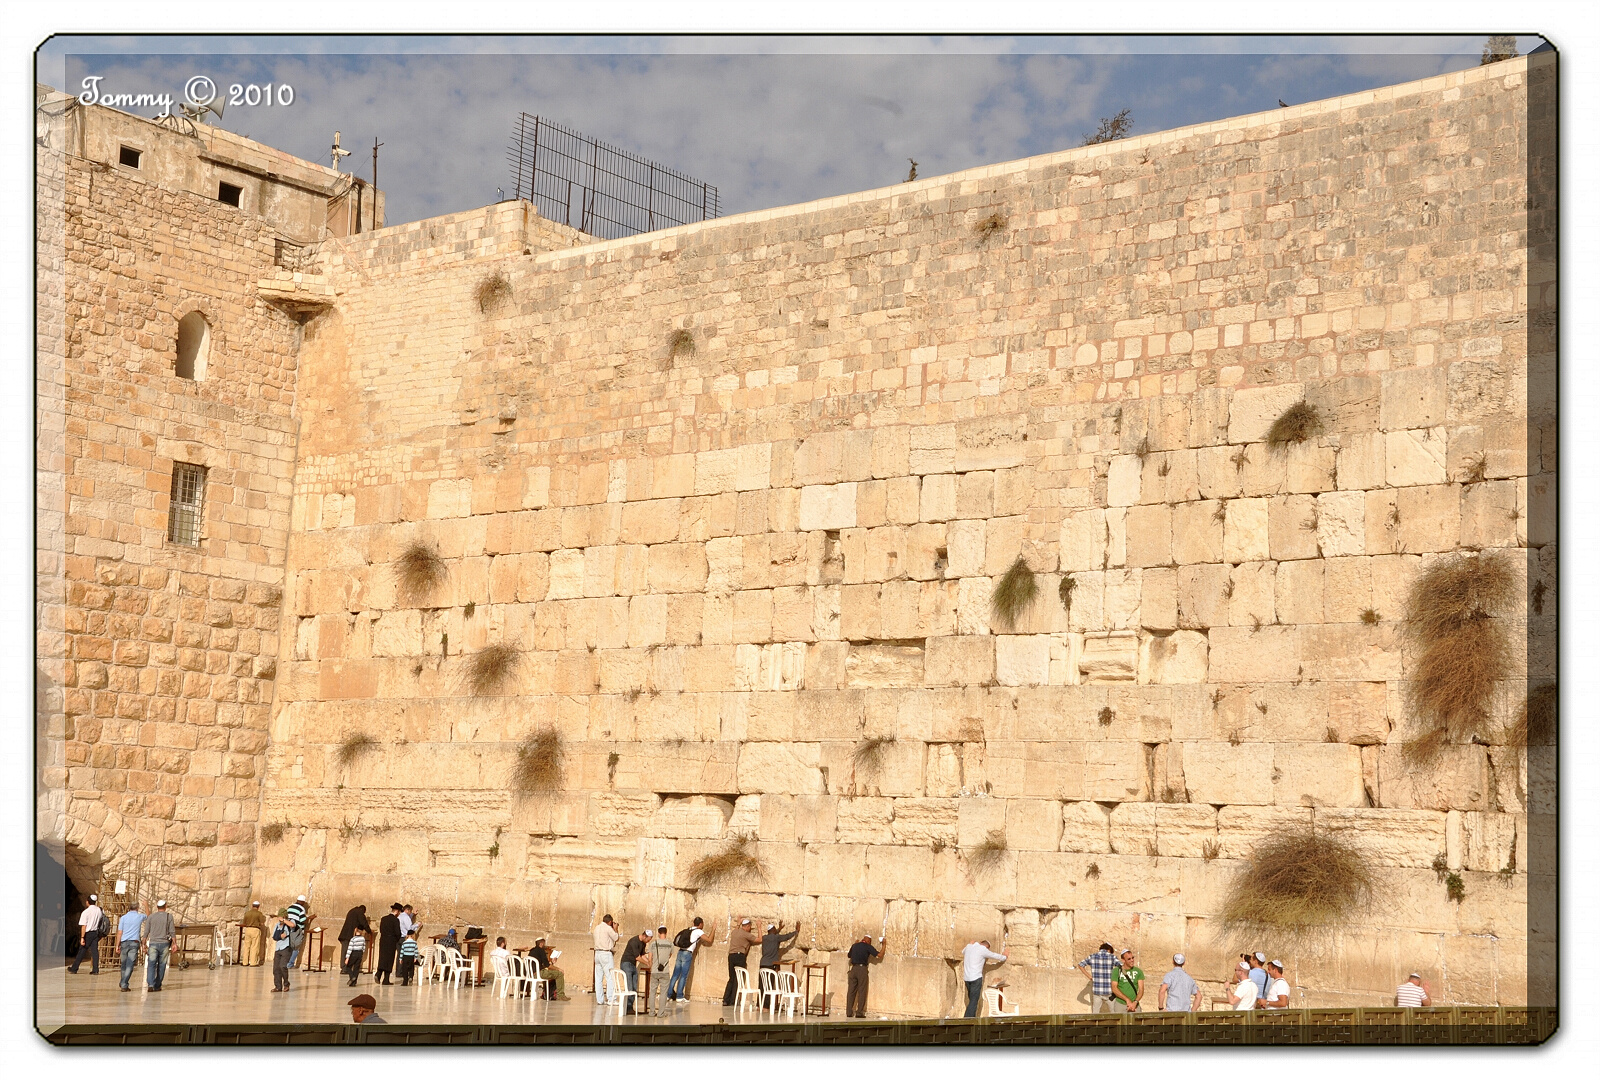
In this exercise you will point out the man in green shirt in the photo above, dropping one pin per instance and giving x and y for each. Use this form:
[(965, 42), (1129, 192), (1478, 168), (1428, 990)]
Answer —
[(1129, 986)]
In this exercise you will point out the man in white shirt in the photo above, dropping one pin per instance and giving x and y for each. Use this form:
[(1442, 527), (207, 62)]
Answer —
[(89, 936), (1277, 996), (678, 988), (605, 940), (1413, 993), (1242, 991), (973, 958), (408, 921)]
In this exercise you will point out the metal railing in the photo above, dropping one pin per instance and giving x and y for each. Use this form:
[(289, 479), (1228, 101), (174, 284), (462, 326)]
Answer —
[(1462, 1025), (597, 188)]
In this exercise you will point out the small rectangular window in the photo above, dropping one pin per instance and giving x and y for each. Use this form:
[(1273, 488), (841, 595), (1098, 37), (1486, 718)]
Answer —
[(129, 156), (185, 513), (229, 193)]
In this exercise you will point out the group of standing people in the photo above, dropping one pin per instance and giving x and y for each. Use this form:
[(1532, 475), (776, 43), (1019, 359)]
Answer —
[(397, 940), (1117, 983), (137, 933), (659, 955)]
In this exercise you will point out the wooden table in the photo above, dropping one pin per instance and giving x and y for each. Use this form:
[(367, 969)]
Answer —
[(311, 951), (181, 949), (819, 972)]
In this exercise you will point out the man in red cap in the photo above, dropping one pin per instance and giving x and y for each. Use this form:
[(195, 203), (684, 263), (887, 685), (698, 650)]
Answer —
[(364, 1010)]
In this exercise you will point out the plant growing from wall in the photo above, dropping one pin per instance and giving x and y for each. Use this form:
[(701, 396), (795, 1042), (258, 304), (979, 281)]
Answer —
[(1013, 593), (1298, 884), (273, 831), (539, 762), (1370, 616), (1064, 591), (353, 746), (1111, 128), (419, 570), (1461, 648), (990, 226), (1092, 870), (680, 343), (735, 864), (867, 756), (492, 291), (988, 854), (1296, 424), (1454, 888), (491, 668), (470, 609)]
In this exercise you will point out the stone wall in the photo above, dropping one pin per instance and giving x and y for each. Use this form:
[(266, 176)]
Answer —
[(740, 493), (156, 659)]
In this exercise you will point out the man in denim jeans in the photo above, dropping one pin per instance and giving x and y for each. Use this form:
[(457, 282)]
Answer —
[(159, 930), (129, 929), (678, 988)]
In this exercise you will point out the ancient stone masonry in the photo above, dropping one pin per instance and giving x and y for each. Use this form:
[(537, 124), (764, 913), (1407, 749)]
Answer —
[(746, 501)]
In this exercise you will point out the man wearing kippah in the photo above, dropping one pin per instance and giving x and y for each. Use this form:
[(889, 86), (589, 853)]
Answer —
[(1178, 992), (159, 931), (1277, 996)]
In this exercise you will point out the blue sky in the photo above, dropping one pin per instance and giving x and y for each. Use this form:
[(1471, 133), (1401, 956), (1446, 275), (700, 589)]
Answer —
[(770, 121)]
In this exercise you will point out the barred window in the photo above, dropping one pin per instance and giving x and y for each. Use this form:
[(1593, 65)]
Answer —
[(188, 504)]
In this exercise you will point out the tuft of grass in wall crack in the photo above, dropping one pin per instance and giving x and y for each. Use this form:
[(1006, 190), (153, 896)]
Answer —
[(680, 343), (736, 863), (418, 571), (990, 226), (493, 291), (1299, 884), (1064, 592), (867, 756), (1015, 590), (539, 762), (491, 668), (1462, 649), (1298, 423), (353, 746), (988, 854), (273, 831)]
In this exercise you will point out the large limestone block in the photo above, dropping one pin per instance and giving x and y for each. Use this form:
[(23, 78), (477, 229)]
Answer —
[(784, 768), (938, 498), (1084, 539), (960, 661), (1109, 658), (1490, 514), (1292, 526), (1413, 398), (1113, 771), (884, 665), (1055, 879), (1203, 598), (1197, 532), (1158, 599), (596, 861), (677, 568), (1348, 589), (1184, 830), (1240, 827), (1253, 602), (1222, 774), (1252, 412), (975, 495), (1351, 651), (1133, 828), (1177, 657), (898, 872), (1149, 535), (966, 548), (1122, 480), (925, 822), (1242, 654), (1245, 531), (1086, 827), (1457, 780), (614, 814), (1298, 591), (1415, 457), (865, 820), (1341, 523), (696, 817), (1326, 774), (1033, 824), (977, 818), (1389, 837), (1022, 659), (657, 863), (816, 819), (839, 870), (828, 507), (1429, 518)]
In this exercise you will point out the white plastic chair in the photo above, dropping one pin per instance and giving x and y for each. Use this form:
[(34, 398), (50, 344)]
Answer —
[(789, 994), (991, 997), (617, 989), (769, 989), (457, 967), (219, 945), (427, 963), (745, 989), (541, 987), (508, 974)]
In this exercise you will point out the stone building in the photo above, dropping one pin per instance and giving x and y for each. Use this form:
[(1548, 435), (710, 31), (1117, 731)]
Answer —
[(710, 521)]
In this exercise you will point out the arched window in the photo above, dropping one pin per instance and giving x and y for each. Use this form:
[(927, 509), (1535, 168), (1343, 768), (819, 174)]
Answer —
[(194, 341)]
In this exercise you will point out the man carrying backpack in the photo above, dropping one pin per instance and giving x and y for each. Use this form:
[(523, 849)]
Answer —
[(688, 943), (94, 925)]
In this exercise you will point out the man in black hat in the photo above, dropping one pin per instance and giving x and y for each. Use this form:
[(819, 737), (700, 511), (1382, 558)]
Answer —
[(364, 1010), (388, 945)]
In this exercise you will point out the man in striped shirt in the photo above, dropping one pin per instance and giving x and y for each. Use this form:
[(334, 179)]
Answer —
[(1413, 993), (298, 917)]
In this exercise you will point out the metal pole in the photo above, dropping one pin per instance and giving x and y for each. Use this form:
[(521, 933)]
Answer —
[(702, 199), (375, 144), (533, 166)]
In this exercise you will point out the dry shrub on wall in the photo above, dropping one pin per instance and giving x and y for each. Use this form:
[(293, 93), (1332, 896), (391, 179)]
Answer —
[(867, 757), (988, 854), (681, 343), (539, 760), (272, 832), (491, 668), (493, 291), (990, 226), (1298, 885), (1012, 595), (1299, 422), (735, 864), (1461, 648), (418, 570), (1536, 719), (354, 745)]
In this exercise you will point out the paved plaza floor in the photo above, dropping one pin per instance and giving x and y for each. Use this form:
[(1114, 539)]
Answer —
[(243, 995)]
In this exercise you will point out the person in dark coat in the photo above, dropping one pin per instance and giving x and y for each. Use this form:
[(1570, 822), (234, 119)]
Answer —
[(355, 921), (388, 944)]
